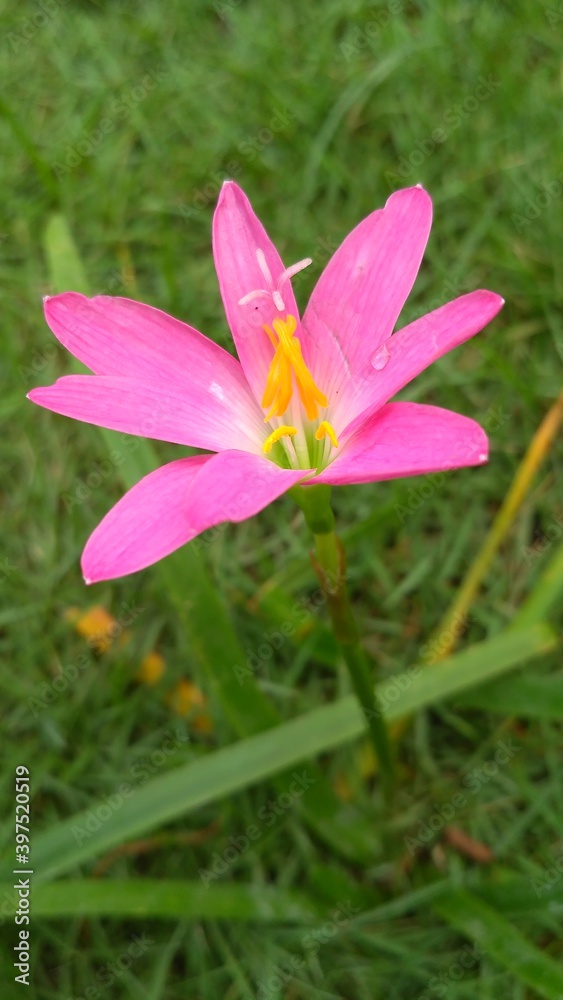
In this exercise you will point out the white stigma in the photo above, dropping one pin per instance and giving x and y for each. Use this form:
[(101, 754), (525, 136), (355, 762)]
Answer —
[(272, 290)]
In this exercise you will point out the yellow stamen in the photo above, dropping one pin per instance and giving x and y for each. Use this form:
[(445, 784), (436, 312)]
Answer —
[(326, 428), (283, 431), (278, 387), (288, 360)]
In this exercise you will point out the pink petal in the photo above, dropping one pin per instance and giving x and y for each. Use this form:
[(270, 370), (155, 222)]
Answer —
[(117, 336), (153, 409), (237, 235), (414, 348), (175, 503), (361, 292), (148, 523), (407, 439)]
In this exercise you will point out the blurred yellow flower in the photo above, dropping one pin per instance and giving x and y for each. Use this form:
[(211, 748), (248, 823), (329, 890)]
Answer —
[(184, 699), (152, 669), (97, 625)]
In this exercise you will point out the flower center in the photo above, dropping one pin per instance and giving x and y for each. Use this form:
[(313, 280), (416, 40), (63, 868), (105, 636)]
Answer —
[(304, 445), (288, 361), (286, 369)]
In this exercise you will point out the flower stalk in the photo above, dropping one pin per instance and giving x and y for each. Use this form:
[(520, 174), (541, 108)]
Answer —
[(329, 563)]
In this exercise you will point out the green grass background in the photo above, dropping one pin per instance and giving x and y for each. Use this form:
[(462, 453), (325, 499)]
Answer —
[(356, 92)]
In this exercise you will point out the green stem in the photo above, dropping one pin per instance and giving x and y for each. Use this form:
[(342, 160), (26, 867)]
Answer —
[(329, 561)]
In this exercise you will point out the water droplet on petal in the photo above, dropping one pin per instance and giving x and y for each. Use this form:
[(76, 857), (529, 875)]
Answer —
[(380, 358)]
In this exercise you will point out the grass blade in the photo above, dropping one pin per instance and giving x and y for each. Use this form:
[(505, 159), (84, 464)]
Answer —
[(527, 697), (232, 768), (500, 940), (165, 899), (453, 621), (547, 593)]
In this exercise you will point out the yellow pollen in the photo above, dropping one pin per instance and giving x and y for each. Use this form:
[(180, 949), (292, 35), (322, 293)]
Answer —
[(288, 361), (326, 428), (284, 431)]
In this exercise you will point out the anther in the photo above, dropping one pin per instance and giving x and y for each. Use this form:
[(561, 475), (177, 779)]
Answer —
[(284, 431), (324, 429)]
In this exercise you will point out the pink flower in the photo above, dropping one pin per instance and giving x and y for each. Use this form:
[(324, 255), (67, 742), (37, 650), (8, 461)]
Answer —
[(307, 402)]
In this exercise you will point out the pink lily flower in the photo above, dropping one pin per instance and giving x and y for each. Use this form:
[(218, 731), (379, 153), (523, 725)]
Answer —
[(307, 403)]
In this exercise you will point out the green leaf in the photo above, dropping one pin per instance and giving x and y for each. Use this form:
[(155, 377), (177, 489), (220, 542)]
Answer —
[(173, 899), (65, 267), (546, 595), (164, 898), (526, 696), (228, 770), (521, 896), (502, 942)]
